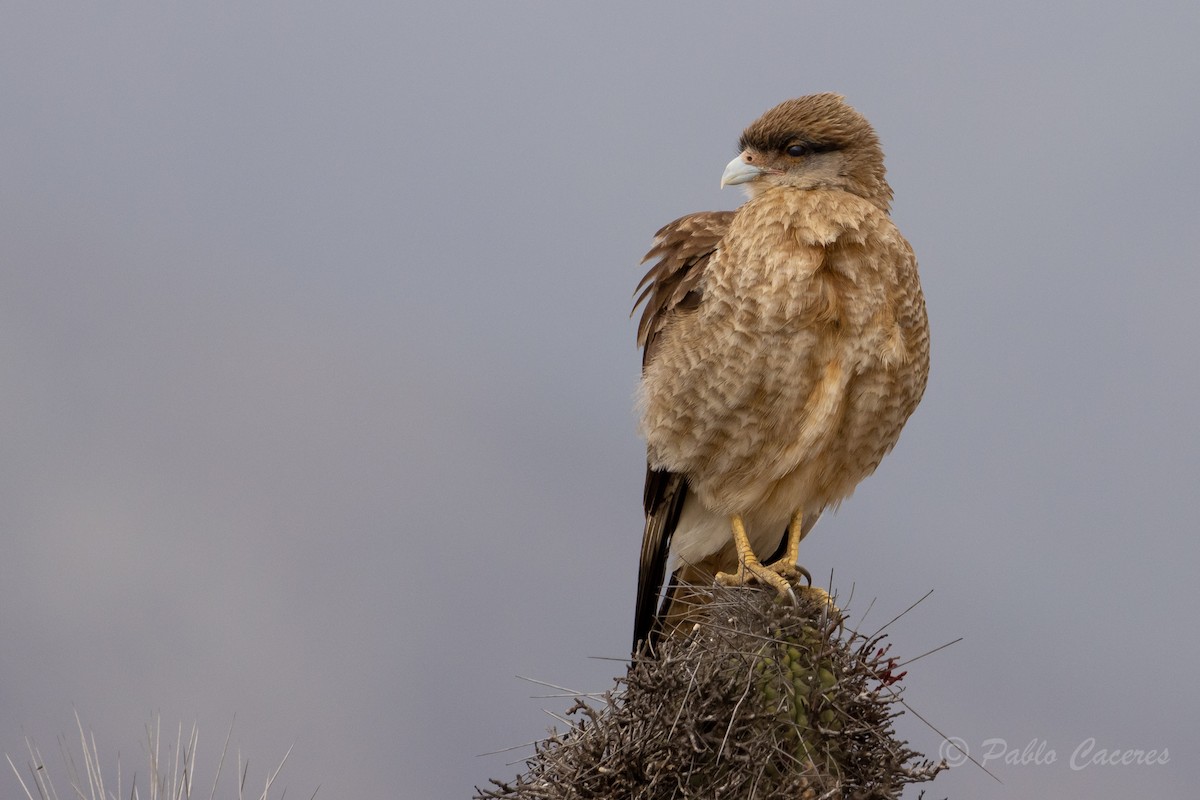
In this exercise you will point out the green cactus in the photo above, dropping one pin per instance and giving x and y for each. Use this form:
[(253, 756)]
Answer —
[(760, 698)]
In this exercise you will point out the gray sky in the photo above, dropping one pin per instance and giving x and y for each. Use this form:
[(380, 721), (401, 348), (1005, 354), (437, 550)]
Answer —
[(316, 376)]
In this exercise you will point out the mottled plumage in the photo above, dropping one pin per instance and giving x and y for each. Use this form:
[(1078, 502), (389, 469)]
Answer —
[(785, 345)]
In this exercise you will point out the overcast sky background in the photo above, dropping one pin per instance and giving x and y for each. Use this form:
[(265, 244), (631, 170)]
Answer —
[(316, 374)]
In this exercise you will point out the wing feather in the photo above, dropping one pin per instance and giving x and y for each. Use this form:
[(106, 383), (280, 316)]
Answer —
[(673, 285)]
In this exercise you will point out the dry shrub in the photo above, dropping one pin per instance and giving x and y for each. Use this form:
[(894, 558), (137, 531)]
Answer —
[(762, 699)]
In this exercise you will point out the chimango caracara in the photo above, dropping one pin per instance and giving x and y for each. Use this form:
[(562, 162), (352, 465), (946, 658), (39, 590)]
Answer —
[(785, 344)]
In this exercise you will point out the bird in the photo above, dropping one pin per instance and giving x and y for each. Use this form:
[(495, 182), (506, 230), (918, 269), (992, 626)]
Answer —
[(784, 346)]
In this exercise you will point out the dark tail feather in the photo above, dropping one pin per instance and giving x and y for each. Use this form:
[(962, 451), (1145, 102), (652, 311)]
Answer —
[(664, 496), (688, 585)]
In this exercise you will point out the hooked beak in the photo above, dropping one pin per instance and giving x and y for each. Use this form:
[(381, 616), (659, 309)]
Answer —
[(738, 171)]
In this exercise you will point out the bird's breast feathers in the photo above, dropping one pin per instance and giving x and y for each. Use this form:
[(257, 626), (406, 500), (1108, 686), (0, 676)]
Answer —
[(802, 298)]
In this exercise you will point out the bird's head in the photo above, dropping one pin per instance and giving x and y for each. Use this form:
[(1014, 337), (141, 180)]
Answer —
[(811, 142)]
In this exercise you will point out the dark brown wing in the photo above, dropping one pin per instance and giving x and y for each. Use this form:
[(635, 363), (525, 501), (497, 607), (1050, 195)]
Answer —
[(673, 285)]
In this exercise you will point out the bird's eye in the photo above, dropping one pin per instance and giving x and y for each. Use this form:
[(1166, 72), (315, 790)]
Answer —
[(797, 150)]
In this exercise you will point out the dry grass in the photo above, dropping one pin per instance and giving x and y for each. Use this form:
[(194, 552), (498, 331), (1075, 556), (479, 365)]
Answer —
[(172, 772)]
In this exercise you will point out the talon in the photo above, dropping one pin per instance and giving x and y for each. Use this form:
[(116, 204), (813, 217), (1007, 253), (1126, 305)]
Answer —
[(823, 597), (819, 594), (755, 571), (749, 567), (784, 569)]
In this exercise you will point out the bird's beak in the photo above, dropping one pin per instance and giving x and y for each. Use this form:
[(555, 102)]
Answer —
[(738, 171)]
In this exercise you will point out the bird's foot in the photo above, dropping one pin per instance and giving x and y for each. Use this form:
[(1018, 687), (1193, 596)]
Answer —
[(790, 572), (749, 567), (788, 569), (752, 570), (821, 598)]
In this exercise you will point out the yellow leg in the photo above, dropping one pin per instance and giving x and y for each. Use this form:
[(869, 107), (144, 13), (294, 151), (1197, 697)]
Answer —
[(749, 567), (787, 566), (779, 573)]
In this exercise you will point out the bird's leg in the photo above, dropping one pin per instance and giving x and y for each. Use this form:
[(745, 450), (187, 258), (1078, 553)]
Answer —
[(787, 567), (749, 567)]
